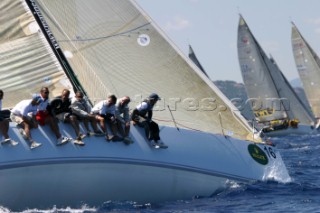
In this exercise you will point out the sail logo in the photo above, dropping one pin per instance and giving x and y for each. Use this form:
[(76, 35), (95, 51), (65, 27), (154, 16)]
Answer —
[(245, 68), (298, 45), (301, 67), (258, 154), (245, 40), (44, 24), (143, 40), (264, 112)]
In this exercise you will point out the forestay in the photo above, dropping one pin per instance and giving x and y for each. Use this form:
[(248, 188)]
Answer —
[(308, 66), (114, 47), (26, 61)]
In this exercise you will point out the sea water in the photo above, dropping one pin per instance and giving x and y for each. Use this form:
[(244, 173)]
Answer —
[(301, 155)]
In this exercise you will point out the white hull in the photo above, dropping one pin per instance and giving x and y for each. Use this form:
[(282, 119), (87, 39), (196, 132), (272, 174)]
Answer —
[(301, 130), (74, 184), (195, 164)]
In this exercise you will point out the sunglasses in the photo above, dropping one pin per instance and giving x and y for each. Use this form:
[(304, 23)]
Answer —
[(46, 92)]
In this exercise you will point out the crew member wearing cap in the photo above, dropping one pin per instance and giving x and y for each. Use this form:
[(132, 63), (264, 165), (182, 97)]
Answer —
[(24, 114), (142, 116)]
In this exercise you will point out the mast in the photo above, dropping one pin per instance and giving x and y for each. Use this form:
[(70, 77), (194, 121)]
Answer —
[(55, 46)]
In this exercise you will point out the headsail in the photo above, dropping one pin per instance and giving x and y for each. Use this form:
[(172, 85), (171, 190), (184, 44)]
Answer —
[(26, 61), (308, 66), (259, 83), (114, 47), (295, 108)]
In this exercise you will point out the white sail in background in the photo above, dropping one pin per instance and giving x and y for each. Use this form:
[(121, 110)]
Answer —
[(308, 66), (258, 81), (118, 49), (26, 61)]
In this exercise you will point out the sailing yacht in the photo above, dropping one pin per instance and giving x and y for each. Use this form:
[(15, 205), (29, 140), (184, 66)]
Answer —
[(277, 108), (308, 66), (101, 47)]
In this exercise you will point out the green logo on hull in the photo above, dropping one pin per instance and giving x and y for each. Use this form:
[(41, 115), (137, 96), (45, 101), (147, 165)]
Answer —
[(258, 154)]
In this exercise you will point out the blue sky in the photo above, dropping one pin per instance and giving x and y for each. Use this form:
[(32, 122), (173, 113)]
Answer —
[(210, 26)]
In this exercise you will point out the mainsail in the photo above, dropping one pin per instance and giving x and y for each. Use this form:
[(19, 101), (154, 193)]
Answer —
[(26, 61), (308, 66), (114, 47)]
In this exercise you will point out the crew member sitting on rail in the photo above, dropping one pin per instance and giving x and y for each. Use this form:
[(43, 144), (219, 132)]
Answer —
[(142, 116), (24, 114)]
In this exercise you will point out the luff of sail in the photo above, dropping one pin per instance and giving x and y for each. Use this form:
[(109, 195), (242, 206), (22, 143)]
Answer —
[(308, 66), (26, 63), (258, 81), (118, 49)]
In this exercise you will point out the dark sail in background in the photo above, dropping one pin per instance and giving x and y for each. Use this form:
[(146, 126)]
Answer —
[(195, 60)]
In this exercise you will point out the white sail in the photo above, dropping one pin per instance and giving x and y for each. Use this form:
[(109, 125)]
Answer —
[(120, 32), (26, 62), (308, 66)]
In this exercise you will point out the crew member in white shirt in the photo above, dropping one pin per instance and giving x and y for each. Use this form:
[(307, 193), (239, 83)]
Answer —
[(24, 114)]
